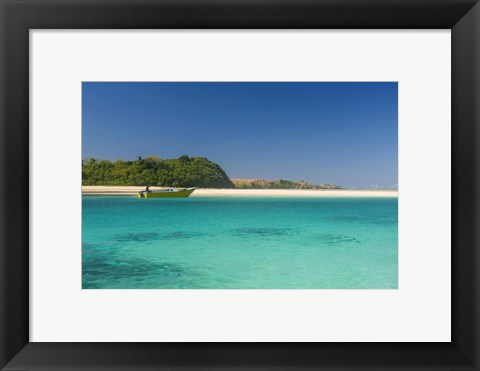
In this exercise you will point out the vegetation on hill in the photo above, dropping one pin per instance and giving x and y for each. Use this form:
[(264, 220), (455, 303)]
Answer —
[(278, 184), (181, 172)]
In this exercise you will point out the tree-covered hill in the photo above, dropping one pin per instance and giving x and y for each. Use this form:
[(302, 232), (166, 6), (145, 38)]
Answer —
[(181, 172)]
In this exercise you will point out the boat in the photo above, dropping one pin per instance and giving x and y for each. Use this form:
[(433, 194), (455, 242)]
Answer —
[(167, 193)]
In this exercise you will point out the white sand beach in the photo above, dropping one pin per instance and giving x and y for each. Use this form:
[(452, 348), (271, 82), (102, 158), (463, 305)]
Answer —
[(210, 192)]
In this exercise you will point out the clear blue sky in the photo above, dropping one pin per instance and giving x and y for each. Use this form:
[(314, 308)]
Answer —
[(337, 133)]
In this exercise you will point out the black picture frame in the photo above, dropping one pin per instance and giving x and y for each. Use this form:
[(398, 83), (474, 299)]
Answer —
[(19, 16)]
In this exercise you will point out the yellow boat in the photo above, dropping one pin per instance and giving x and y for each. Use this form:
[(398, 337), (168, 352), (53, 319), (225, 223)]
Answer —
[(168, 192)]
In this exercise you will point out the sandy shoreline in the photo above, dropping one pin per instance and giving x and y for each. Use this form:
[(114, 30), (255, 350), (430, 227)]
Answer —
[(203, 192)]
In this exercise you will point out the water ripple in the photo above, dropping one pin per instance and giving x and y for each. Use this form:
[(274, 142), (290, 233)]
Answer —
[(137, 237), (154, 236), (262, 232), (335, 239)]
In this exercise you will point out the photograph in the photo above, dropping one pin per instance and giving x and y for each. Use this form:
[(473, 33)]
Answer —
[(240, 185), (279, 185)]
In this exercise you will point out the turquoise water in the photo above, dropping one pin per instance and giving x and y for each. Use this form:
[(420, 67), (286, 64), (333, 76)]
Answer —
[(239, 243)]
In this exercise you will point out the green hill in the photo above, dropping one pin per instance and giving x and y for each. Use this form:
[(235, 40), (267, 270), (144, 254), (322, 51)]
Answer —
[(181, 172)]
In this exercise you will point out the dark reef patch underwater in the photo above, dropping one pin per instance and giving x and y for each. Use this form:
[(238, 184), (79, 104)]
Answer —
[(112, 267)]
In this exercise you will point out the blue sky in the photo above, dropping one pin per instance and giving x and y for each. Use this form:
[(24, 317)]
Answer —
[(337, 133)]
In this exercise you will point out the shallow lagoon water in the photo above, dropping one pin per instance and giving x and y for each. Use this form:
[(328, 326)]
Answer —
[(239, 243)]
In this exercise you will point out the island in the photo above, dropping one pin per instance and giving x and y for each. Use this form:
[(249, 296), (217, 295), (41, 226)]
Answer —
[(121, 177)]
